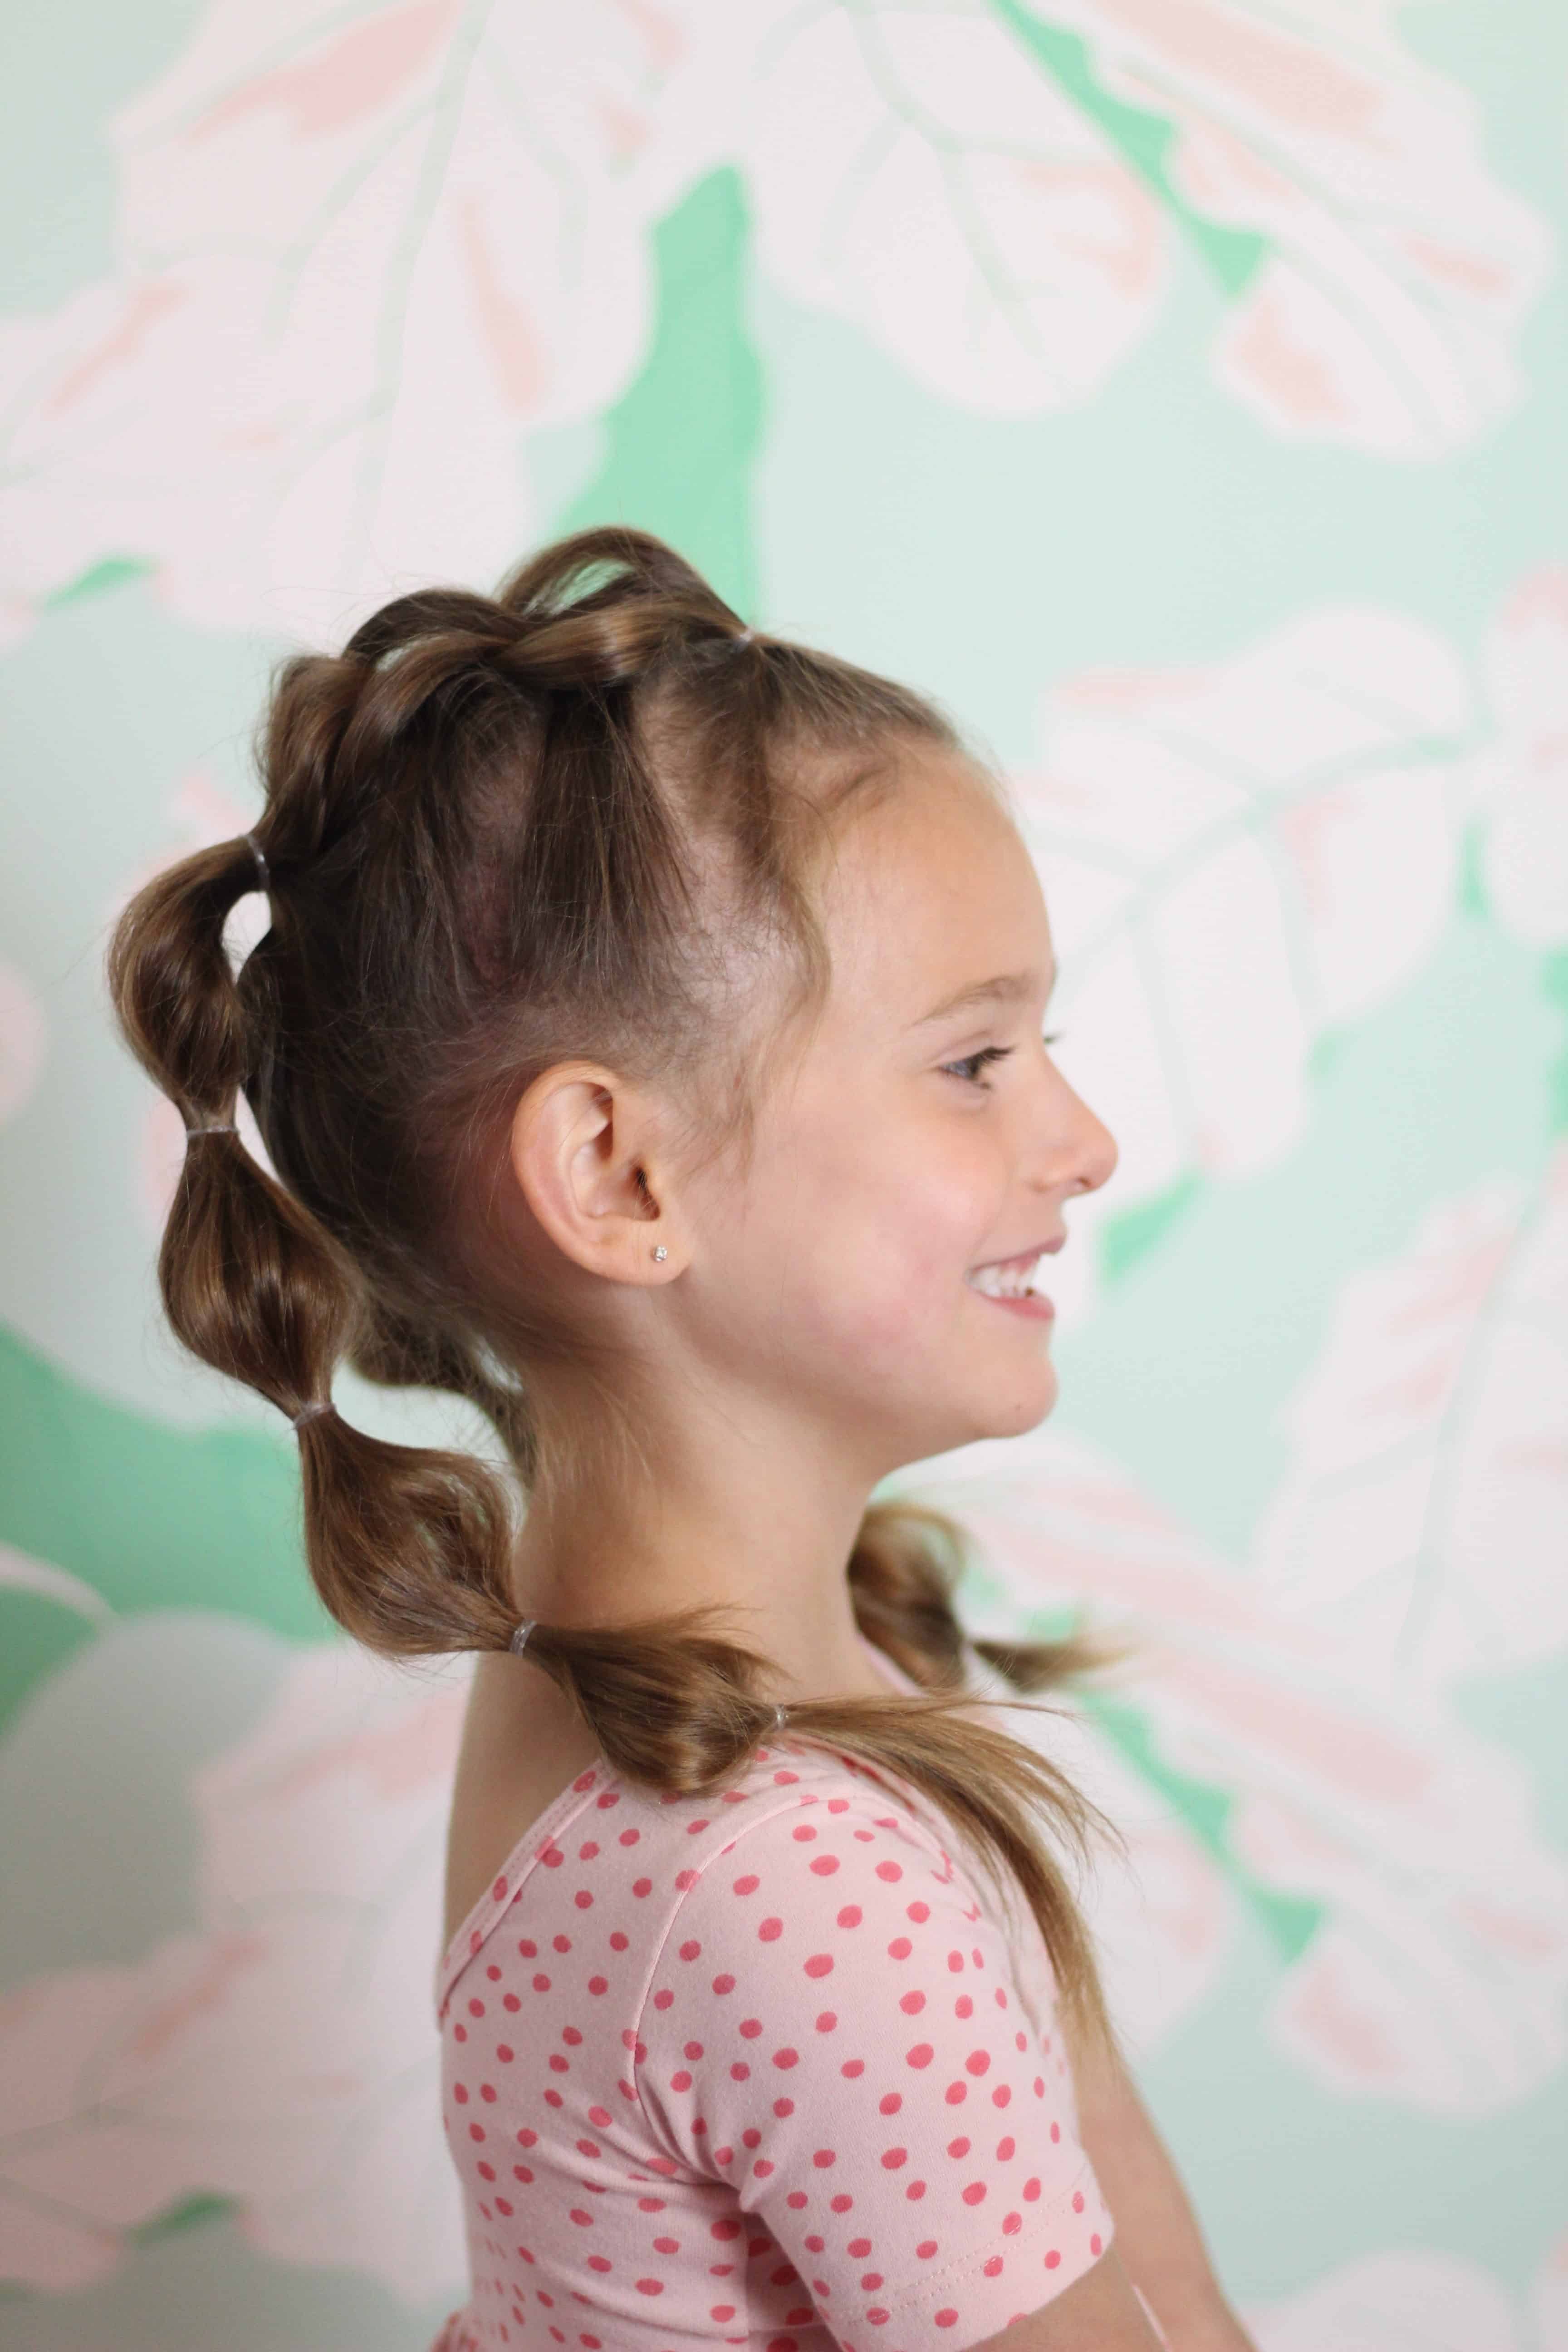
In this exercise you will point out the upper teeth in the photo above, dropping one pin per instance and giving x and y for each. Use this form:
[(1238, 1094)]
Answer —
[(1013, 1281)]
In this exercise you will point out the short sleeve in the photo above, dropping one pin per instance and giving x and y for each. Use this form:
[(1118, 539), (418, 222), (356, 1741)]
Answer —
[(834, 2027)]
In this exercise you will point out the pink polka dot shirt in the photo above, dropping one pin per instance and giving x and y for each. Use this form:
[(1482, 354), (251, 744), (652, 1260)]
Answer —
[(760, 2069)]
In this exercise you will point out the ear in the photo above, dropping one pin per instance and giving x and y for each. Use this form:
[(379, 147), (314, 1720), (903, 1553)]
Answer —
[(581, 1139)]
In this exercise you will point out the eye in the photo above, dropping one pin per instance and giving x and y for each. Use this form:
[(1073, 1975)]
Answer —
[(974, 1063)]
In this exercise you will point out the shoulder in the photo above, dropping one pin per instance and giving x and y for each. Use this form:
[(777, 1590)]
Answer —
[(831, 1867)]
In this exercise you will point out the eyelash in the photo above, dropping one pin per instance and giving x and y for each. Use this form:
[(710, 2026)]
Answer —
[(994, 1054)]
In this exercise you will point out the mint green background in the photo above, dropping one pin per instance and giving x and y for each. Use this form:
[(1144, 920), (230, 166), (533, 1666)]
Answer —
[(825, 491)]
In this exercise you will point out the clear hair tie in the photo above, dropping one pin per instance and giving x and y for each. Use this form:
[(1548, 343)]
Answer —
[(312, 1412), (217, 1126), (525, 1626), (744, 636)]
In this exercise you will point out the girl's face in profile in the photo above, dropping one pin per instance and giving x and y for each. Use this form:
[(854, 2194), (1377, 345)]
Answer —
[(913, 1140)]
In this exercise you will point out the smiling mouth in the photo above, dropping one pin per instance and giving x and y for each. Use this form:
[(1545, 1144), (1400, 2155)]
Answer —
[(1010, 1278)]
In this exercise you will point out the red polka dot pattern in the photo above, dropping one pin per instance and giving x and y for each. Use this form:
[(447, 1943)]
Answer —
[(760, 2070)]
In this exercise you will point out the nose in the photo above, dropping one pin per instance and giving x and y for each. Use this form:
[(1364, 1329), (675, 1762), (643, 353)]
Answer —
[(1077, 1150)]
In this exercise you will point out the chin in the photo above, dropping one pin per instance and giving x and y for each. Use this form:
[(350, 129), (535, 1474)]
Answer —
[(1033, 1410), (1011, 1415), (1027, 1407)]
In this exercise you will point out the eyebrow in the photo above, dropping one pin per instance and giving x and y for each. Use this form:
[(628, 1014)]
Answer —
[(1003, 987)]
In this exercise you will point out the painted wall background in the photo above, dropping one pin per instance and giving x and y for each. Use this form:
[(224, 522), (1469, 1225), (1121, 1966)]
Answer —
[(1177, 388)]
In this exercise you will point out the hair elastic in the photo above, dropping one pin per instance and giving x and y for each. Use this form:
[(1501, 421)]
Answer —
[(745, 636), (219, 1126), (312, 1412), (520, 1635), (261, 866), (779, 1713)]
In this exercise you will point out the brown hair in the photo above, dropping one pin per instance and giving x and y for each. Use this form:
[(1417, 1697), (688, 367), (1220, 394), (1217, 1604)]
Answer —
[(499, 832)]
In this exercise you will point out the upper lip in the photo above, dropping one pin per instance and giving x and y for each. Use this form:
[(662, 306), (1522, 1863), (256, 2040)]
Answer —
[(1024, 1256)]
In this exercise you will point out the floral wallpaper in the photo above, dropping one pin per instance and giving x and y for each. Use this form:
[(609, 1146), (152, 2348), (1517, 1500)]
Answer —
[(1174, 387)]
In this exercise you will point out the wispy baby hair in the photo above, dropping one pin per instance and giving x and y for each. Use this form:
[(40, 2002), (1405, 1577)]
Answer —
[(579, 818)]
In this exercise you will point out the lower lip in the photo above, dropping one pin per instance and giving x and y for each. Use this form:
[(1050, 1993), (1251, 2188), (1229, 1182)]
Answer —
[(1039, 1310)]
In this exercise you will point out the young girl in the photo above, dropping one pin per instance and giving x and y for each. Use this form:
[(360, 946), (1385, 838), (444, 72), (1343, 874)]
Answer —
[(646, 1043)]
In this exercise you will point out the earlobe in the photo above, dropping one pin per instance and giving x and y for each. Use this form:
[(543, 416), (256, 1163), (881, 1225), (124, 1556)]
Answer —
[(578, 1142)]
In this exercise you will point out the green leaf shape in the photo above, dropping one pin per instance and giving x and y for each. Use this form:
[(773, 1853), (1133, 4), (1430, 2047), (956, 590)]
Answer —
[(150, 1515), (195, 2212), (683, 438), (1142, 139), (101, 579), (1126, 1238), (1470, 890), (37, 1636)]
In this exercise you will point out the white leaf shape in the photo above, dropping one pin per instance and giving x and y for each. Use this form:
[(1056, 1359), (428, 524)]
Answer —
[(1215, 846), (1413, 2300), (1422, 1524), (1401, 269), (73, 2178), (1406, 2301), (975, 202), (362, 250), (1438, 1974), (286, 2055), (1521, 785), (915, 173)]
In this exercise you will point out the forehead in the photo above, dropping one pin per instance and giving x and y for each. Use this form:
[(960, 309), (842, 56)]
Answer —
[(931, 889)]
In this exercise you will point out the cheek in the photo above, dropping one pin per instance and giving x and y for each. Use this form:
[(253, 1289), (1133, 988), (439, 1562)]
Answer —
[(887, 1252)]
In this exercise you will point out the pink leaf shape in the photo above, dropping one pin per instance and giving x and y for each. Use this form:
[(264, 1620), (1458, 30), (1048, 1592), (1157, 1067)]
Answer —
[(1439, 1973), (341, 82), (285, 2053), (1420, 1525)]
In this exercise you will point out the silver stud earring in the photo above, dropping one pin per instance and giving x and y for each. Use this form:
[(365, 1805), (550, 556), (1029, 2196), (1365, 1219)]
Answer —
[(661, 1252)]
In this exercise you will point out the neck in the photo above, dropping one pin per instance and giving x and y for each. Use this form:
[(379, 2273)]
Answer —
[(796, 1614)]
